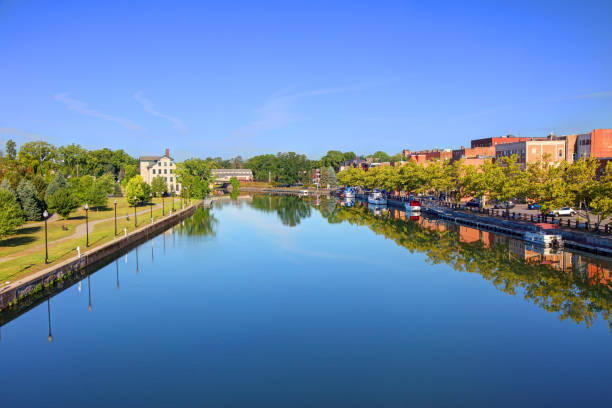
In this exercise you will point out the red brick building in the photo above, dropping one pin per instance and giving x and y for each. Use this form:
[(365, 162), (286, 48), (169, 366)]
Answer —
[(493, 141)]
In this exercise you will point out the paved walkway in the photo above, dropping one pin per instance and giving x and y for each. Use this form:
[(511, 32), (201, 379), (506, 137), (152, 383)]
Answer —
[(79, 232)]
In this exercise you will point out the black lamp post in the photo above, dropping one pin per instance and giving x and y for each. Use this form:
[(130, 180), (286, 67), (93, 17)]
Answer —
[(151, 205), (45, 216), (87, 224), (117, 268), (135, 215), (172, 201), (115, 217), (163, 206)]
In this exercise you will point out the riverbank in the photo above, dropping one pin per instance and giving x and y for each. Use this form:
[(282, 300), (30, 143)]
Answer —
[(595, 242), (36, 282)]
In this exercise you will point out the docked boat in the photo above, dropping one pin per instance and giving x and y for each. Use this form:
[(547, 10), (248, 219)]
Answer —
[(545, 237), (377, 197), (349, 192), (413, 206), (348, 202)]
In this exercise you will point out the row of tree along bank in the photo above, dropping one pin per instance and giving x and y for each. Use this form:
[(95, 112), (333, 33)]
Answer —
[(581, 184)]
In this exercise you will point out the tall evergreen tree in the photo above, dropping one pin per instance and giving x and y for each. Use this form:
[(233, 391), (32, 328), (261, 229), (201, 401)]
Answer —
[(59, 182), (31, 204), (331, 177), (11, 215), (6, 185)]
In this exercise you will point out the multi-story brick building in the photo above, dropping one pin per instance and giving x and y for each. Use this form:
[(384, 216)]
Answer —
[(597, 143), (531, 151), (160, 166), (494, 141), (474, 156), (425, 156)]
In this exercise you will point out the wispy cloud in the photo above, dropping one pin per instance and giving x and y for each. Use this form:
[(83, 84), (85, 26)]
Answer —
[(278, 111), (19, 132), (148, 106), (81, 107)]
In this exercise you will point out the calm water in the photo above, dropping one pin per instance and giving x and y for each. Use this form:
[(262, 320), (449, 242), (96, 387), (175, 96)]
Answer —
[(285, 302)]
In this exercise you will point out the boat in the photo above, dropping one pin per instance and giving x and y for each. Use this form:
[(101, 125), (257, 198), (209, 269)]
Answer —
[(349, 202), (349, 192), (413, 205), (377, 197), (544, 235)]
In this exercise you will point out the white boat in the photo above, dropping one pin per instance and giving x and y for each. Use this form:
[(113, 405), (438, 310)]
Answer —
[(376, 197), (543, 238), (413, 206), (349, 192)]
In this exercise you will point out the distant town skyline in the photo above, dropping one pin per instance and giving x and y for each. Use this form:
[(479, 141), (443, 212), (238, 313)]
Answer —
[(250, 78)]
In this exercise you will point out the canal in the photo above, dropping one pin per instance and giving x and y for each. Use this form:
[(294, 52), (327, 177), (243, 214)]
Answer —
[(283, 301)]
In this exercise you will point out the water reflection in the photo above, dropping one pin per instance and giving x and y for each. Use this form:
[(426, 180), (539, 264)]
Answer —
[(290, 209), (201, 223), (581, 292)]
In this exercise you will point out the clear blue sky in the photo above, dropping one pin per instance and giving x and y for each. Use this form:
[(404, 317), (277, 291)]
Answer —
[(246, 77)]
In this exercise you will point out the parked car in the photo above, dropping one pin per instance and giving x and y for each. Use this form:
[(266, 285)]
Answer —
[(534, 206), (503, 205), (565, 211), (473, 203)]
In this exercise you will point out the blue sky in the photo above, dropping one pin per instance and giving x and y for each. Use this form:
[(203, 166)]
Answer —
[(246, 77)]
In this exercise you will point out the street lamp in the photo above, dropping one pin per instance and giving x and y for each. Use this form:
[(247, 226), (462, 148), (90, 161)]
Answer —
[(151, 205), (87, 223), (135, 215), (172, 194), (115, 217), (163, 206), (45, 216)]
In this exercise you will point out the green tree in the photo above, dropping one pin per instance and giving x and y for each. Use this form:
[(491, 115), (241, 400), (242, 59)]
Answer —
[(324, 178), (333, 158), (195, 177), (235, 185), (7, 186), (32, 206), (159, 186), (508, 181), (134, 192), (581, 180), (129, 171), (331, 174), (39, 156), (11, 215), (117, 191), (59, 182), (63, 202), (11, 151)]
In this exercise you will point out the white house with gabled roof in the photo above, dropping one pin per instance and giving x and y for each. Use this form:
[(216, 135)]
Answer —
[(162, 166)]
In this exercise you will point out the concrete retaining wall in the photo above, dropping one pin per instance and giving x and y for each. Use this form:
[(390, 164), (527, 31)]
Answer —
[(39, 280)]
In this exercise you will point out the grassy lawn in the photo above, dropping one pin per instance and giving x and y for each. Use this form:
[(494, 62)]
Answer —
[(29, 238)]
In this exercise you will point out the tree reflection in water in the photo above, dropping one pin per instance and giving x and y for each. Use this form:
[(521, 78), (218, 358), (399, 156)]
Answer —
[(579, 288), (201, 223), (290, 209), (570, 292)]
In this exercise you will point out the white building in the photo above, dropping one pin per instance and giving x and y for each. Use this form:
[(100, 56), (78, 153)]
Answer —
[(160, 166)]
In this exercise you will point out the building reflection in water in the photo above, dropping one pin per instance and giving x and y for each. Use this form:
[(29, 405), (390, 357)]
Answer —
[(572, 284)]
